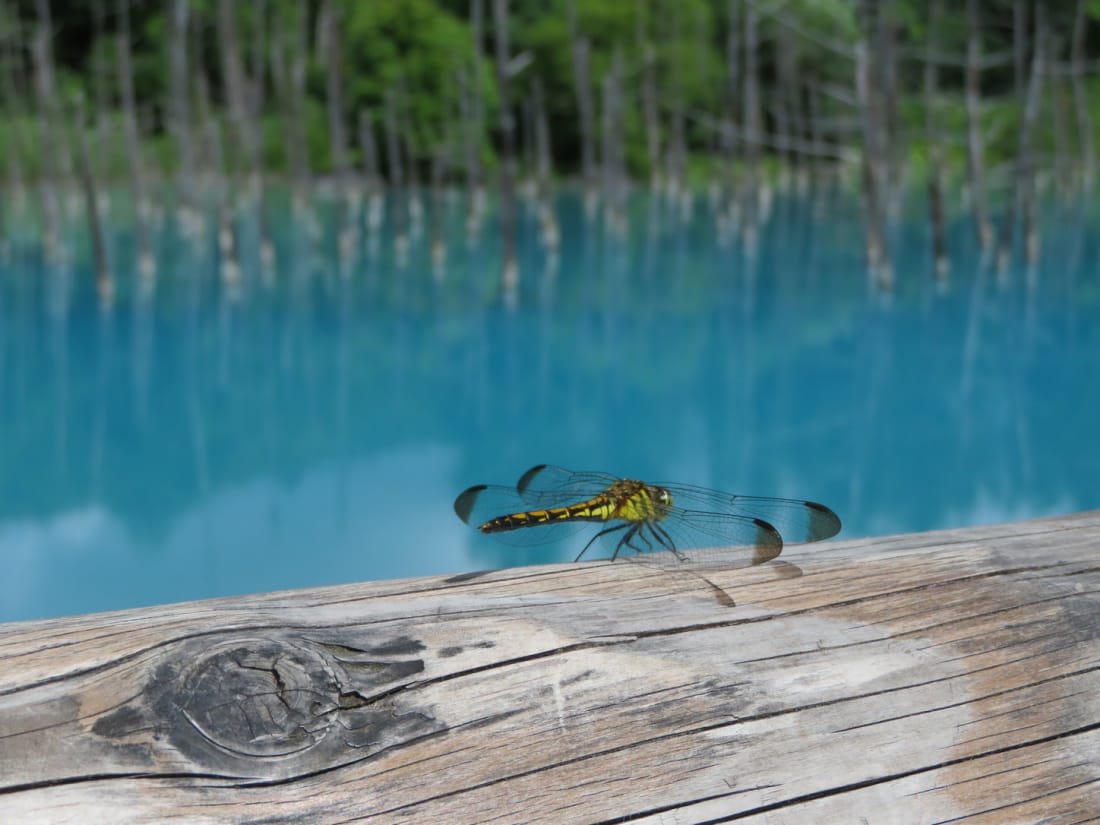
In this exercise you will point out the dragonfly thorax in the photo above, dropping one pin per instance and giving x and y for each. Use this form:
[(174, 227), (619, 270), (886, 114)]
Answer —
[(638, 501)]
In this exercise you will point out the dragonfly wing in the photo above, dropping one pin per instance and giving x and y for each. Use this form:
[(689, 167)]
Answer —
[(797, 520), (545, 485), (482, 503), (752, 540)]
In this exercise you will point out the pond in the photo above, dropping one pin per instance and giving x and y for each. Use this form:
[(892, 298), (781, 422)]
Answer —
[(313, 423)]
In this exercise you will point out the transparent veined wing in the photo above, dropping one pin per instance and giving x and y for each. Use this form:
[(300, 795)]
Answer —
[(545, 485), (749, 528), (485, 502), (797, 520), (736, 537)]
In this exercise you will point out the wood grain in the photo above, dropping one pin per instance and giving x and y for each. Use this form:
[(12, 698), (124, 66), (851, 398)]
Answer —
[(950, 676)]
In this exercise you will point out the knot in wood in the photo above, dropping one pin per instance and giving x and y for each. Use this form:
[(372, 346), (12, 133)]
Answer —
[(260, 697)]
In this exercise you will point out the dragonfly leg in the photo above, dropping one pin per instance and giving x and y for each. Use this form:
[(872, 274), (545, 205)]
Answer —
[(666, 541), (603, 532), (625, 540)]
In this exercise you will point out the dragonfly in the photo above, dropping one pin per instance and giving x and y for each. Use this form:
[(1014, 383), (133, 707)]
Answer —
[(548, 502)]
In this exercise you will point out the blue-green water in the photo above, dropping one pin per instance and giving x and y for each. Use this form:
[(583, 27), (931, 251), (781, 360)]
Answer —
[(314, 427)]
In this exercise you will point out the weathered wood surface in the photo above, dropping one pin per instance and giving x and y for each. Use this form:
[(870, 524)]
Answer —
[(918, 678)]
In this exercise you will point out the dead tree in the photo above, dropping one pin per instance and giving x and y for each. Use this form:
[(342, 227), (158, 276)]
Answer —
[(288, 54), (548, 219), (104, 280), (613, 154), (752, 124), (438, 207), (98, 72), (398, 213), (510, 272), (886, 82), (473, 102), (730, 142), (583, 88), (10, 62), (48, 121), (214, 154), (1080, 97), (935, 147), (146, 261), (1027, 173), (651, 114), (332, 47), (179, 102), (873, 154), (242, 118), (1024, 173), (975, 159), (368, 149)]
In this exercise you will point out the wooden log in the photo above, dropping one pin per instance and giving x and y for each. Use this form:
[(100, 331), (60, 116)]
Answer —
[(914, 678)]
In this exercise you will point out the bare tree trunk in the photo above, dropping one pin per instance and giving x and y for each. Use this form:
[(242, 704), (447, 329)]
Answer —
[(1080, 97), (407, 130), (146, 261), (368, 148), (104, 281), (99, 70), (817, 143), (510, 273), (886, 74), (652, 118), (935, 149), (1012, 200), (730, 144), (11, 59), (397, 182), (214, 152), (291, 69), (439, 244), (1024, 176), (613, 152), (1024, 159), (257, 88), (548, 219), (975, 161), (239, 94), (784, 110), (48, 127), (475, 125), (329, 25), (752, 129), (583, 86), (1062, 163), (179, 104), (874, 161), (676, 162)]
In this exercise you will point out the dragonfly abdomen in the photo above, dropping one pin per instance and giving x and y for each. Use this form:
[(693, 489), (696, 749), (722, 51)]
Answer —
[(597, 509)]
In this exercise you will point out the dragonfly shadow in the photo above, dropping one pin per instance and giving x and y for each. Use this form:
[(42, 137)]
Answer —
[(700, 565)]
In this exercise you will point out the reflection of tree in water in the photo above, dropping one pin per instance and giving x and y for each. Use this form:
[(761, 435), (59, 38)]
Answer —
[(666, 353)]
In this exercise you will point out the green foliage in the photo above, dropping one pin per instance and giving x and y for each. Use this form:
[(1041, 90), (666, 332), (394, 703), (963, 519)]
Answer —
[(423, 54), (414, 50)]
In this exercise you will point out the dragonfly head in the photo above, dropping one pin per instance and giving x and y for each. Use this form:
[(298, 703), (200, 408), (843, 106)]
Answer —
[(663, 498)]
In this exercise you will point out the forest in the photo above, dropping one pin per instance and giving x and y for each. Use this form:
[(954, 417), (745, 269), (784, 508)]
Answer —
[(405, 96)]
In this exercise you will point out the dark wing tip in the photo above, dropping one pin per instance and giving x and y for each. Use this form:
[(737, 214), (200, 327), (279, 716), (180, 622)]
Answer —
[(824, 523), (769, 543), (526, 479), (464, 504)]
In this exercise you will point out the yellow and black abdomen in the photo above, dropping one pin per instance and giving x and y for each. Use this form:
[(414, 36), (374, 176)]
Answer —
[(597, 509)]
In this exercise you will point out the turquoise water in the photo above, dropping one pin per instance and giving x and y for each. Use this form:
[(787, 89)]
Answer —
[(313, 426)]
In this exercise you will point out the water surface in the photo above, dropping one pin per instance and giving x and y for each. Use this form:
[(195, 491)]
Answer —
[(313, 425)]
